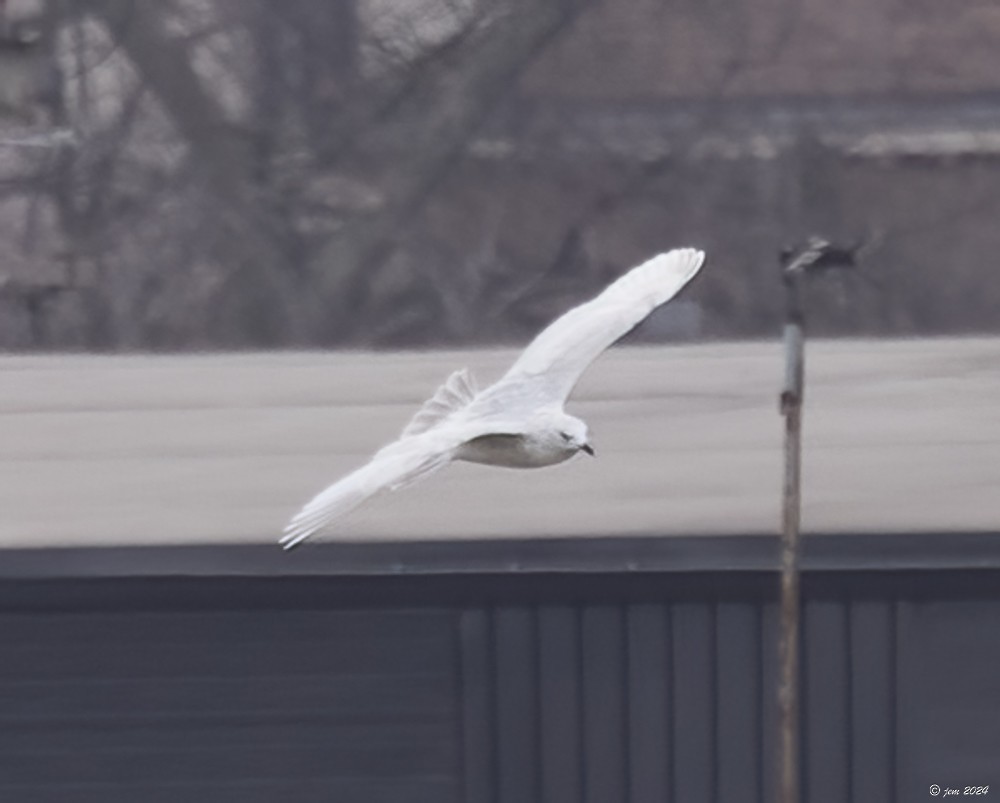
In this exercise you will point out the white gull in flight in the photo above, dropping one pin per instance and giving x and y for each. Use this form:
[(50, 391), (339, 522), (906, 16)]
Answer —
[(519, 421)]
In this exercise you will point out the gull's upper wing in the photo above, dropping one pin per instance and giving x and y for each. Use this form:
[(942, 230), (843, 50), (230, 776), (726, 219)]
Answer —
[(398, 464), (550, 366)]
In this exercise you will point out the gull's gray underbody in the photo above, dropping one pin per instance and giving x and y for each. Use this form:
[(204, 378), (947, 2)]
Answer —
[(512, 451)]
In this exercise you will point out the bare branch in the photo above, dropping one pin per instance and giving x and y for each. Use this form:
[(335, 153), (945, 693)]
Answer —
[(222, 153), (446, 103)]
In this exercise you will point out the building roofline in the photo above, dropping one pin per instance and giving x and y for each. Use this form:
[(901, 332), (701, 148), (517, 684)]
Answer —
[(737, 554)]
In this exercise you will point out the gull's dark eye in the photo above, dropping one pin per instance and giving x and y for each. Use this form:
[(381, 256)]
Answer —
[(566, 436)]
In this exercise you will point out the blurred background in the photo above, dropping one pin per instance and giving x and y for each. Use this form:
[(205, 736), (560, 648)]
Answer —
[(192, 174)]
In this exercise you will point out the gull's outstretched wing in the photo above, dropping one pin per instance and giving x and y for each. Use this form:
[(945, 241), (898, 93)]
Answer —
[(550, 366), (395, 466)]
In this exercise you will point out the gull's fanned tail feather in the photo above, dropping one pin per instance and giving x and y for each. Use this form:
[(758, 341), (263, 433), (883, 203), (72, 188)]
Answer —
[(457, 391)]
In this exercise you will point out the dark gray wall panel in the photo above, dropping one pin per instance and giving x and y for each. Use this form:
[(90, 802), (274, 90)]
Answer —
[(650, 703), (424, 790), (605, 741), (738, 648), (518, 771), (229, 704), (949, 666), (634, 687), (769, 715), (873, 701), (694, 693), (476, 661), (561, 702), (825, 701)]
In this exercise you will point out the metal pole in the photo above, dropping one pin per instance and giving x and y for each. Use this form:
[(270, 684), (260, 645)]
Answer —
[(816, 256), (791, 408)]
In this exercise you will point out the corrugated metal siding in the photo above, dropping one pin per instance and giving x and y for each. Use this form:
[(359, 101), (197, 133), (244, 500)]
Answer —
[(632, 688), (948, 688), (675, 702), (249, 706)]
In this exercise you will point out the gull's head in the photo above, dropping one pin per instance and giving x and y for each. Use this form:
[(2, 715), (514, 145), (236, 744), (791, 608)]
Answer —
[(572, 434)]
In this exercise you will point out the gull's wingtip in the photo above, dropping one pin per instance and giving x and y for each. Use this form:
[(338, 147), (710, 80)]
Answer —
[(292, 537), (679, 264), (691, 258), (683, 259), (697, 260), (289, 542)]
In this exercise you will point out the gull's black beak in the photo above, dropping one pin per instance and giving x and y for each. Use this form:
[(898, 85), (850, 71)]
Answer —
[(588, 449)]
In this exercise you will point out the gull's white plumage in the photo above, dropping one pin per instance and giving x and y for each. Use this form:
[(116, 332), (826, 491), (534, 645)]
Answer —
[(519, 420)]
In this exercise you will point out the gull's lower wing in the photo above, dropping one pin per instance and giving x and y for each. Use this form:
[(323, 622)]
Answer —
[(398, 464), (550, 366)]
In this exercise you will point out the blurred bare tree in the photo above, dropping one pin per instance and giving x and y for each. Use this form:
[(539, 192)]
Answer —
[(244, 168), (248, 173)]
